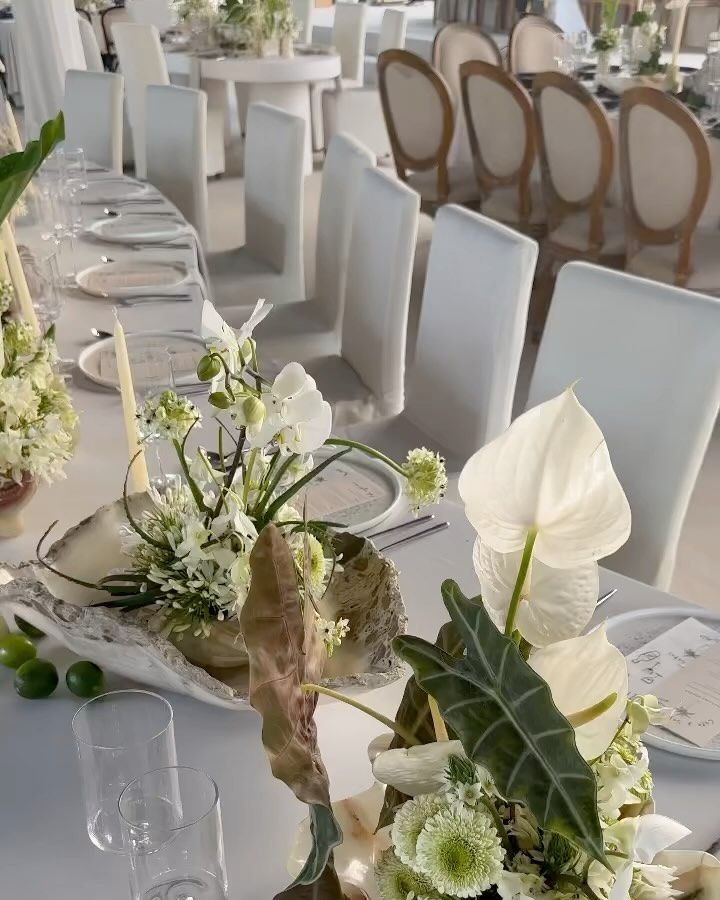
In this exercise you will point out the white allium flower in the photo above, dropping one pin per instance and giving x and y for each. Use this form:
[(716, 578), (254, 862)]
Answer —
[(512, 885), (426, 477), (396, 881), (332, 633), (167, 417), (410, 820), (460, 851)]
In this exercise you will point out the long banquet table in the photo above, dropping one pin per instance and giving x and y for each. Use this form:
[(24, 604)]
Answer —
[(44, 848)]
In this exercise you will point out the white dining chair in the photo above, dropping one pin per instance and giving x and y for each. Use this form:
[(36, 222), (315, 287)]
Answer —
[(365, 379), (93, 59), (175, 129), (646, 358), (299, 331), (457, 43), (151, 12), (142, 62), (348, 38), (392, 34), (93, 110), (270, 264), (533, 45), (461, 384), (109, 18), (303, 11)]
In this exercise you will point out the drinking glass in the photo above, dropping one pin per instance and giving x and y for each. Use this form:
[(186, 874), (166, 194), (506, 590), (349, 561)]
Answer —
[(173, 836), (76, 167), (563, 55), (579, 44), (120, 735), (152, 372), (48, 300)]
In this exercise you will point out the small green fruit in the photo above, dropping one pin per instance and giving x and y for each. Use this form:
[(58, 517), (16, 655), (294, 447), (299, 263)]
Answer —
[(36, 679), (16, 649), (85, 679)]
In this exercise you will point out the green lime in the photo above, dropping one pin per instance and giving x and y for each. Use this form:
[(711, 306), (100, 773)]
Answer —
[(35, 679), (28, 629), (15, 649), (3, 628), (85, 679)]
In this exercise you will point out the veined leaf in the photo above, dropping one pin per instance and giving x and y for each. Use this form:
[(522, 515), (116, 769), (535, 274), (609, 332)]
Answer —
[(414, 715), (285, 652), (503, 713), (16, 169)]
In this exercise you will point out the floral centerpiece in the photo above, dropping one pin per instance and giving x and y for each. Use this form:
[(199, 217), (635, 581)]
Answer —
[(515, 768), (608, 38), (648, 40), (188, 551), (37, 421)]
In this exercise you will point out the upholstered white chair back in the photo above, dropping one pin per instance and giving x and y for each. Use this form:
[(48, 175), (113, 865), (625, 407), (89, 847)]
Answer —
[(91, 50), (377, 294), (465, 399), (702, 18), (499, 121), (303, 12), (93, 110), (176, 136), (151, 12), (348, 38), (647, 357), (345, 161), (455, 44), (393, 29), (142, 62), (533, 45), (274, 164), (111, 17)]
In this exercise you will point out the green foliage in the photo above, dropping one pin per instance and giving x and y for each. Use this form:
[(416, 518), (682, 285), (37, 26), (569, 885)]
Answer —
[(17, 169), (503, 713)]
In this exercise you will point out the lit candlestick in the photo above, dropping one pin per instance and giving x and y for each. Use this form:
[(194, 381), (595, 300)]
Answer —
[(17, 276), (138, 471)]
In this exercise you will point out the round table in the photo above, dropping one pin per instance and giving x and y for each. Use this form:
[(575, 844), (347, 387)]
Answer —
[(281, 81)]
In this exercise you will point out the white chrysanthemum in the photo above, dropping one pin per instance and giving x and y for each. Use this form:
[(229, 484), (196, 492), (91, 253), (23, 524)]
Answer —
[(653, 883), (459, 850), (7, 295), (426, 477), (316, 568), (410, 820), (396, 881)]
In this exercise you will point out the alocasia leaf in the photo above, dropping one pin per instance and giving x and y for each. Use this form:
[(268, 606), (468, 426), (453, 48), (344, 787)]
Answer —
[(285, 652), (503, 713), (414, 715), (16, 169), (327, 887)]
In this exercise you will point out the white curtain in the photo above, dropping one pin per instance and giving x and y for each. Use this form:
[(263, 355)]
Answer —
[(48, 44)]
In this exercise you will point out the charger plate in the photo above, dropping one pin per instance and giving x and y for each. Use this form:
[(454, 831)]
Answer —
[(129, 278), (132, 229)]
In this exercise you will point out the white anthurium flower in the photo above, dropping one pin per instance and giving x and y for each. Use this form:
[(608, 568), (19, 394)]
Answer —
[(581, 672), (555, 604), (549, 472), (416, 770)]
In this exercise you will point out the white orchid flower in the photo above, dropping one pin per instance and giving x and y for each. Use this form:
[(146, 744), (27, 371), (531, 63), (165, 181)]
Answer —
[(555, 604), (581, 673), (261, 311), (549, 475), (215, 330), (416, 770)]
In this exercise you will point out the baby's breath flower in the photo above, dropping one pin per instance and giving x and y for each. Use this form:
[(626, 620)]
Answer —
[(396, 881), (459, 850), (426, 477), (167, 417), (410, 820)]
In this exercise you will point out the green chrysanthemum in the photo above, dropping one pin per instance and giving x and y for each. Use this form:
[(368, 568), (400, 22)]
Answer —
[(460, 852), (410, 820), (397, 881), (426, 477)]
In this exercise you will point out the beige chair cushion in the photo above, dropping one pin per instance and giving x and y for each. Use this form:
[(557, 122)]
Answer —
[(463, 184), (658, 263), (502, 205), (573, 232)]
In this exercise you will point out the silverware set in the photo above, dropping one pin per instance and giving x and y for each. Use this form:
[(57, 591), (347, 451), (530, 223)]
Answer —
[(425, 532)]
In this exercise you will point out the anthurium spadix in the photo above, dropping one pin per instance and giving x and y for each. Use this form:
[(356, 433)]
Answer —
[(416, 770), (549, 477), (582, 672)]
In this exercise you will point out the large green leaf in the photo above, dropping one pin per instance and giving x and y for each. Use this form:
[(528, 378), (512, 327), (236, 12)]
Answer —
[(17, 169), (503, 713), (327, 887), (415, 717), (285, 652)]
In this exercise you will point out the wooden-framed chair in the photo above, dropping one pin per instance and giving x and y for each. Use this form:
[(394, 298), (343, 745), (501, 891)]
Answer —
[(665, 168), (456, 43), (576, 174), (702, 18), (532, 46), (501, 128), (420, 121)]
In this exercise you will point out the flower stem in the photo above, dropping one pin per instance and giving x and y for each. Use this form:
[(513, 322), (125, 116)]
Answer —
[(248, 473), (368, 451), (194, 489), (520, 582), (499, 824), (407, 736)]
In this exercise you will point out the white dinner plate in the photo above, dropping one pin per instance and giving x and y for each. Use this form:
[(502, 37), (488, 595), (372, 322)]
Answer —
[(355, 491), (111, 190), (131, 229), (97, 361), (129, 278), (631, 630)]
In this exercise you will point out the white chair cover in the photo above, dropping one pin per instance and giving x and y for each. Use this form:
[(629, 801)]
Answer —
[(477, 291), (94, 116), (48, 42), (93, 59), (393, 29), (647, 357), (303, 12), (151, 12), (175, 129), (142, 62), (348, 38)]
